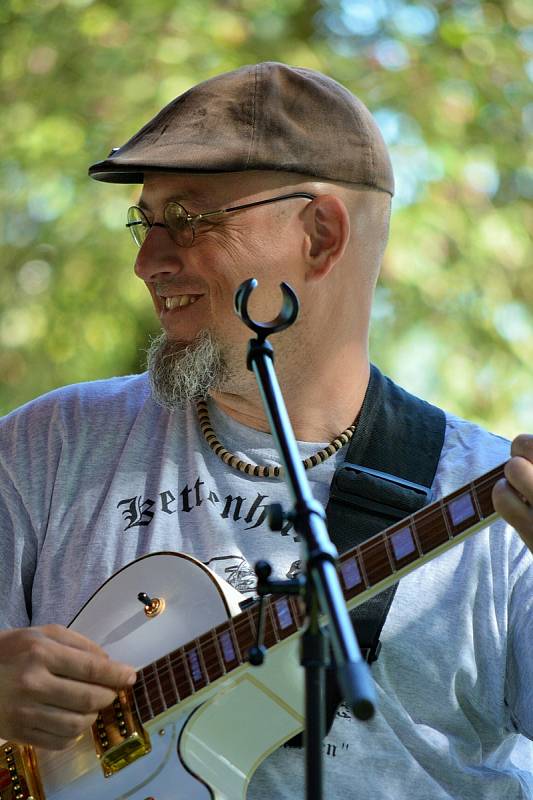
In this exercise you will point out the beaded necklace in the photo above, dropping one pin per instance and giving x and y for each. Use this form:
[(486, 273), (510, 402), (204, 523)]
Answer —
[(258, 470)]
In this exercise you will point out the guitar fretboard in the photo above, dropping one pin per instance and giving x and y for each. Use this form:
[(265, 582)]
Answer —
[(183, 672)]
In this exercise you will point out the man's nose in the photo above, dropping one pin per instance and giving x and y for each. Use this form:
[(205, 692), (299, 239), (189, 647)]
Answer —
[(158, 255)]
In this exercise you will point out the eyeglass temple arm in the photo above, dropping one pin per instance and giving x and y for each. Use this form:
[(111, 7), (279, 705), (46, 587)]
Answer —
[(198, 217)]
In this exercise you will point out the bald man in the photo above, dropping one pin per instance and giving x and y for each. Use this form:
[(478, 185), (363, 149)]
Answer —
[(281, 174)]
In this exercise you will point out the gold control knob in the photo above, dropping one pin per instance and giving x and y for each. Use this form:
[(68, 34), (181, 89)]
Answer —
[(152, 605)]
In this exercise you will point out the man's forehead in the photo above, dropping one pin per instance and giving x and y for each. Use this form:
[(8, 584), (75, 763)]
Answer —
[(159, 187), (214, 188)]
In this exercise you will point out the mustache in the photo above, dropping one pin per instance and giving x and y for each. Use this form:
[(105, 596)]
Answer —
[(162, 287)]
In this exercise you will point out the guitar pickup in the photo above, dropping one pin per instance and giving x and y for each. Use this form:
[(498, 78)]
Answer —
[(19, 776), (119, 736)]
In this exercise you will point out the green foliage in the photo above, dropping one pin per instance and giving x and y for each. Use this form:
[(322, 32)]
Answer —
[(450, 84)]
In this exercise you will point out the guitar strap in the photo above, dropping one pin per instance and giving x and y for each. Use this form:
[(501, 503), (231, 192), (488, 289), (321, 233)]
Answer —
[(388, 472)]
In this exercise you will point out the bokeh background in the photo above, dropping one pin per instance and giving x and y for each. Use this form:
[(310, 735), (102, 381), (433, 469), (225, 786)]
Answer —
[(450, 85)]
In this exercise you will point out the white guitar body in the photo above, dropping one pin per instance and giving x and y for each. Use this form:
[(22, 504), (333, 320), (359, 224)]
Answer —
[(209, 745), (213, 735)]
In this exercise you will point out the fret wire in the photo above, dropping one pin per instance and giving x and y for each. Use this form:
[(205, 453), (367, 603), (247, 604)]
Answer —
[(253, 626), (361, 563), (218, 659), (422, 515), (202, 660), (389, 553), (270, 612), (377, 560), (484, 496), (193, 689), (235, 639), (252, 620), (180, 656), (408, 522), (239, 622), (208, 665), (412, 528), (143, 684), (160, 688), (184, 659), (443, 508), (473, 494), (493, 475), (151, 681), (226, 631), (134, 695), (276, 613), (488, 480), (219, 652), (172, 678), (211, 658), (297, 616), (187, 670)]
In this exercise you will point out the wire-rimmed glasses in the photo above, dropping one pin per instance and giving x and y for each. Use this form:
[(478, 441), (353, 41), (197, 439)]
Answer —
[(181, 224)]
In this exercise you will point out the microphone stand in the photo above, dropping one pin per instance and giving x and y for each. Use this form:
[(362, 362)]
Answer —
[(321, 586)]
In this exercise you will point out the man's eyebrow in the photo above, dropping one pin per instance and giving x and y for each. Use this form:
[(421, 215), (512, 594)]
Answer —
[(196, 199)]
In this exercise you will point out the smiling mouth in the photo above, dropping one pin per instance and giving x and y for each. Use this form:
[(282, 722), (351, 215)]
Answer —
[(179, 301)]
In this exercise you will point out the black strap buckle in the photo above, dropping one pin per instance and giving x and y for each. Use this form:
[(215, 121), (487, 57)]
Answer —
[(365, 488)]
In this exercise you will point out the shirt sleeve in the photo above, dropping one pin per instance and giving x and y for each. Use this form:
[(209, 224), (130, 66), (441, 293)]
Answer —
[(30, 444), (18, 555), (519, 679)]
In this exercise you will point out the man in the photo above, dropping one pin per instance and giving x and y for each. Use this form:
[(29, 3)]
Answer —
[(96, 475)]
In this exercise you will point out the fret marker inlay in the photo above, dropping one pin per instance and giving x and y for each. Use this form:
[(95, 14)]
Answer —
[(350, 573), (194, 663), (389, 554), (283, 613), (402, 543), (461, 508), (228, 651)]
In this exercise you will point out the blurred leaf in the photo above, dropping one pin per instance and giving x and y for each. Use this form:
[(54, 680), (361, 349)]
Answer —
[(450, 84)]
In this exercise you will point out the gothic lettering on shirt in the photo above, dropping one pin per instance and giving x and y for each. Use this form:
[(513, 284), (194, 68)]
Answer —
[(139, 511)]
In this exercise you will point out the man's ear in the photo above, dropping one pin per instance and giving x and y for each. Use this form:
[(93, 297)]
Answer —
[(327, 224)]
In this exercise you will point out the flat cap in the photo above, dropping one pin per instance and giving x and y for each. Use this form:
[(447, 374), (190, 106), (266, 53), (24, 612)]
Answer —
[(267, 116)]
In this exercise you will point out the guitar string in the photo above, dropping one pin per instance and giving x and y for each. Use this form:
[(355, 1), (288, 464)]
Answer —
[(238, 626), (367, 547), (180, 655)]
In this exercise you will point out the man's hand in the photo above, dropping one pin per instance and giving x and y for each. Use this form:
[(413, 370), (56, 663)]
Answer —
[(513, 495), (53, 681)]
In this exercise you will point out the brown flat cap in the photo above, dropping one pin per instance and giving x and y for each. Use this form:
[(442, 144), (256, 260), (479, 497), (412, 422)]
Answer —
[(265, 116)]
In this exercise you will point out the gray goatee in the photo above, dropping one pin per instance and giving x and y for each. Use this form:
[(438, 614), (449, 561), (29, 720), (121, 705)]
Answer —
[(182, 372)]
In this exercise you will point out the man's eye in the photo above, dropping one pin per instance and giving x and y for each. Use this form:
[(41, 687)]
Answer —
[(206, 226)]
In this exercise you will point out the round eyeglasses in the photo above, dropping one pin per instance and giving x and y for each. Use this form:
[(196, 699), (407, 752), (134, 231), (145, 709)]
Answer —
[(181, 224)]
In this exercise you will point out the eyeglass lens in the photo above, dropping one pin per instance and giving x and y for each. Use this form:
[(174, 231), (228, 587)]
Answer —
[(138, 225), (179, 225), (176, 221)]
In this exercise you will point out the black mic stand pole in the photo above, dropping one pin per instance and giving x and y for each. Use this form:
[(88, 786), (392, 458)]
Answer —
[(322, 588)]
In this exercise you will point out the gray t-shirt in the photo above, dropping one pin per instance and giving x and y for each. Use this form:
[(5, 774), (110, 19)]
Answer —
[(95, 475)]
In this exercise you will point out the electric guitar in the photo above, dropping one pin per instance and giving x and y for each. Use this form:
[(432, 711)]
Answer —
[(182, 732)]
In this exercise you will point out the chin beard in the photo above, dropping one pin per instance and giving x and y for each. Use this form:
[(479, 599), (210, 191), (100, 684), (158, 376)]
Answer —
[(182, 372)]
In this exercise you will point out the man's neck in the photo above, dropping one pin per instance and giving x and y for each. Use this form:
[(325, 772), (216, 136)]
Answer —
[(319, 410)]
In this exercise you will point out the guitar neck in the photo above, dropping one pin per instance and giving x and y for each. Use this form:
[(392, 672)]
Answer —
[(364, 571)]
